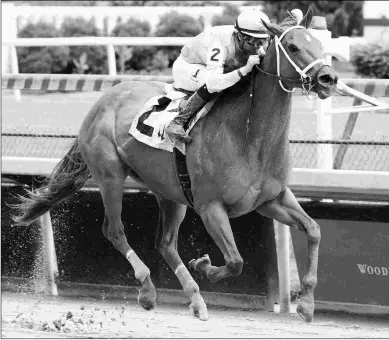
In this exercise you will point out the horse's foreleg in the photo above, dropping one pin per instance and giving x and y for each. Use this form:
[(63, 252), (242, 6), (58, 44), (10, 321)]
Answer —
[(108, 171), (287, 210), (171, 215), (216, 221)]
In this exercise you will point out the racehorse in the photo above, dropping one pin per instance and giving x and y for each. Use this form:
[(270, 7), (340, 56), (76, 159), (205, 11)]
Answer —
[(239, 161)]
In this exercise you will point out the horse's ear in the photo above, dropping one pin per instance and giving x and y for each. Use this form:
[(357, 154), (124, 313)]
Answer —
[(273, 29), (306, 21)]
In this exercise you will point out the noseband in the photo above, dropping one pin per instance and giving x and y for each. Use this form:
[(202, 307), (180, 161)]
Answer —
[(305, 80)]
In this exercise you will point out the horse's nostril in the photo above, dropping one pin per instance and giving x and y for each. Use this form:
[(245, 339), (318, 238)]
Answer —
[(327, 79)]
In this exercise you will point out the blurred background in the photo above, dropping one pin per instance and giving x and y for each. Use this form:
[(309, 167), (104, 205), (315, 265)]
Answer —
[(366, 20)]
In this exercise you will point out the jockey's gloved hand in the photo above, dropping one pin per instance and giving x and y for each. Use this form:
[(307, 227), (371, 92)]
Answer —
[(251, 62), (261, 52)]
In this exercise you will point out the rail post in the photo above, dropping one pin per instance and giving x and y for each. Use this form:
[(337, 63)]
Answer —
[(15, 69), (111, 60), (283, 256), (49, 256), (207, 17)]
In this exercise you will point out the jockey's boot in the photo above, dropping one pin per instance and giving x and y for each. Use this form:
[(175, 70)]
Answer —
[(176, 130)]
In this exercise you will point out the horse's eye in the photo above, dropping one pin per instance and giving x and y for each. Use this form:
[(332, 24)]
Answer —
[(293, 48)]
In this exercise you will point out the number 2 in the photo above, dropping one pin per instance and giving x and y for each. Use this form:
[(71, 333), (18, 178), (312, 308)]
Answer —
[(217, 51)]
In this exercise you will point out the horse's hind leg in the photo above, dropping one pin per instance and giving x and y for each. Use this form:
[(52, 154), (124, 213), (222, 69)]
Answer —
[(109, 173), (171, 214), (287, 210)]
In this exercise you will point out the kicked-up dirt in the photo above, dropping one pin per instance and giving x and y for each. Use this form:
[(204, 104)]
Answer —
[(38, 316)]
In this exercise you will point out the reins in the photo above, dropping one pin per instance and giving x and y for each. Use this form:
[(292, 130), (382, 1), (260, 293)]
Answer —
[(258, 68), (250, 104)]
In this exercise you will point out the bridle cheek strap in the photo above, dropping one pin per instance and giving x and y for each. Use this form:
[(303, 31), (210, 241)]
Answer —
[(302, 73)]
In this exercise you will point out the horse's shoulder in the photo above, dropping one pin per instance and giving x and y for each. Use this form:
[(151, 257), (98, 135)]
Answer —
[(231, 94), (229, 97)]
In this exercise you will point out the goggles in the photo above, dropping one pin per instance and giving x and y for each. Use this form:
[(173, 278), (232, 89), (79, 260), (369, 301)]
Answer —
[(253, 41)]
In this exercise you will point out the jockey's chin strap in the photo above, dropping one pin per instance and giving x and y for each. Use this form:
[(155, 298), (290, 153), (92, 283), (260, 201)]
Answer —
[(306, 80)]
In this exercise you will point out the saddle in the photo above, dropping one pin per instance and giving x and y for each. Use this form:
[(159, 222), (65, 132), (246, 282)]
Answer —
[(149, 124)]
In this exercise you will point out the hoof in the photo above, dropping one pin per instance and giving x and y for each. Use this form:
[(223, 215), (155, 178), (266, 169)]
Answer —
[(147, 296), (305, 310), (200, 264), (198, 308), (147, 300)]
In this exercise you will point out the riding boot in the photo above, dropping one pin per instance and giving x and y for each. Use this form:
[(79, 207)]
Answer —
[(176, 130)]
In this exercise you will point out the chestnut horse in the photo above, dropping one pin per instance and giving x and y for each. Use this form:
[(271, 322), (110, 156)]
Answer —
[(239, 161)]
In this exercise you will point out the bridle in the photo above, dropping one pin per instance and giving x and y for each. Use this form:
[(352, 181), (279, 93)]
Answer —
[(305, 80)]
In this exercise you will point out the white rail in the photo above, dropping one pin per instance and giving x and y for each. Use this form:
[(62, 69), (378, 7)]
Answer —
[(108, 42), (98, 41)]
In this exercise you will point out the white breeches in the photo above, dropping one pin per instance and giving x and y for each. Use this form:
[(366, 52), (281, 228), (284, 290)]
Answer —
[(188, 76)]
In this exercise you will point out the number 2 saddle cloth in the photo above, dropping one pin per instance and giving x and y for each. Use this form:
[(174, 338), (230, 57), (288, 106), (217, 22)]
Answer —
[(149, 124)]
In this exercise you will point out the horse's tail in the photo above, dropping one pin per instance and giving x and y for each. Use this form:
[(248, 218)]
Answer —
[(69, 175)]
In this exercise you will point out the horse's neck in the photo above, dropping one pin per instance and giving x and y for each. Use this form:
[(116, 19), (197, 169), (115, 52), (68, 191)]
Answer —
[(270, 110), (264, 126), (255, 133)]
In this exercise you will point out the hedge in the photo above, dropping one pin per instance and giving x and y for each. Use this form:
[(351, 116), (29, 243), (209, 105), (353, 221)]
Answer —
[(371, 59), (56, 59)]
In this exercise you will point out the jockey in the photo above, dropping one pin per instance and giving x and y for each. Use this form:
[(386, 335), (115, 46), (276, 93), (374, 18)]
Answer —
[(202, 62)]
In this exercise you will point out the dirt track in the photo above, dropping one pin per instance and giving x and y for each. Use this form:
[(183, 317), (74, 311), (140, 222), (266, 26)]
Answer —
[(33, 316)]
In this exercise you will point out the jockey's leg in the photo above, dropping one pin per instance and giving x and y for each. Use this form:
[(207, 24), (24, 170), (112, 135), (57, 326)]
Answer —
[(190, 77), (176, 130)]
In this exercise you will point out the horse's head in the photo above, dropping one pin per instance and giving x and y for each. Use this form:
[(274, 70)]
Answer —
[(296, 57)]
